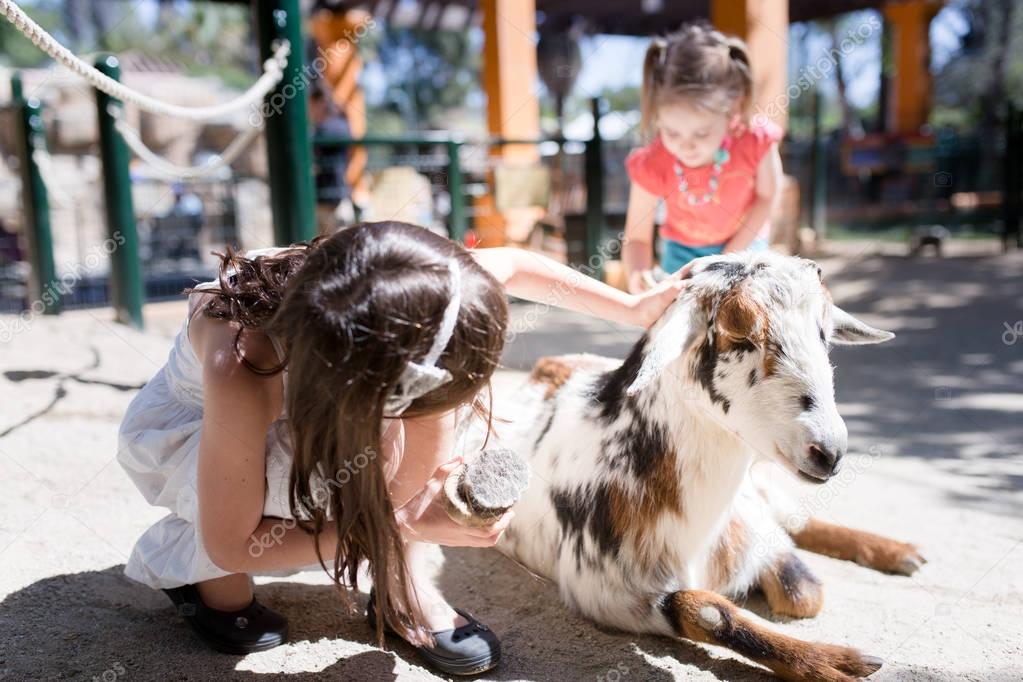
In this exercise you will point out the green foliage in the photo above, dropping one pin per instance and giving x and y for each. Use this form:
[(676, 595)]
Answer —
[(205, 38), (15, 49), (426, 73), (971, 88)]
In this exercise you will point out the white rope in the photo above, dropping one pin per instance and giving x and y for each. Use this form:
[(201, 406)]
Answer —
[(173, 171), (44, 162), (273, 71)]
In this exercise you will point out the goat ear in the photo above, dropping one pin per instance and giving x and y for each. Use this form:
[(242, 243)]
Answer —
[(665, 341), (850, 331)]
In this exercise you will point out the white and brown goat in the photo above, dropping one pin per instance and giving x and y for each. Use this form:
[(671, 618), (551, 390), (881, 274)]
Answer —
[(642, 507)]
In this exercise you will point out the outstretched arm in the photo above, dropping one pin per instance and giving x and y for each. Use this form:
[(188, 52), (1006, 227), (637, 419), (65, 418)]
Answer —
[(535, 277)]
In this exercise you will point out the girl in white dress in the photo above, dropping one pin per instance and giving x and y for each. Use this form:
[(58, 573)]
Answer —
[(306, 417)]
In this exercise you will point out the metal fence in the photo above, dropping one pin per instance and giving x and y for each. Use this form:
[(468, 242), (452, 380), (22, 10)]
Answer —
[(174, 241), (881, 183)]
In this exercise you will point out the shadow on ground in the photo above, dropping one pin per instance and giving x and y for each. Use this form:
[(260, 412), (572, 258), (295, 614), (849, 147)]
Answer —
[(94, 622), (947, 389)]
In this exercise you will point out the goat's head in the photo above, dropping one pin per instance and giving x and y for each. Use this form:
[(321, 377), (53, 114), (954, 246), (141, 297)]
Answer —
[(749, 337)]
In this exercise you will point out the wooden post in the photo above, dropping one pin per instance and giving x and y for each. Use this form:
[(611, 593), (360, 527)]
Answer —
[(513, 109), (909, 95), (337, 34)]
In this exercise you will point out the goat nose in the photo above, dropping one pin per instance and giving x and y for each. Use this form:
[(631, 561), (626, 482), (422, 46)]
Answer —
[(824, 459)]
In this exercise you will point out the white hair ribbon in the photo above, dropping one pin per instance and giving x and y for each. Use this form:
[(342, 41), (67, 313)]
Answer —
[(419, 378)]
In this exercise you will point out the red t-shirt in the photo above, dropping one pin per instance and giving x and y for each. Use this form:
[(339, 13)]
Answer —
[(653, 168)]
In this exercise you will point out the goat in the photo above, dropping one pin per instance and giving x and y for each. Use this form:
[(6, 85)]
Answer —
[(641, 507)]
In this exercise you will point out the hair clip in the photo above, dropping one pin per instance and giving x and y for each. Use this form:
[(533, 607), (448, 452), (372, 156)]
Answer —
[(419, 378)]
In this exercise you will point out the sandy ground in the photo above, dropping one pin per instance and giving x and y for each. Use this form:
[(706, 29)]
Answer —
[(936, 415)]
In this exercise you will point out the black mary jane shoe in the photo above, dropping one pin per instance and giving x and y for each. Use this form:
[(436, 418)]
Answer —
[(254, 628), (467, 650)]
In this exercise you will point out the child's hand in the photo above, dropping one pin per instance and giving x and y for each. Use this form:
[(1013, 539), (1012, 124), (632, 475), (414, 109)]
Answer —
[(425, 519), (640, 281), (653, 299)]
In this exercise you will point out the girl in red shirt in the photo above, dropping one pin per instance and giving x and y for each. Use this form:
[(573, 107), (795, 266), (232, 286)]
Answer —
[(717, 171)]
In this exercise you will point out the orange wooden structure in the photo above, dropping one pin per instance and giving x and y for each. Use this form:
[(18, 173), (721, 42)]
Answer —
[(336, 35)]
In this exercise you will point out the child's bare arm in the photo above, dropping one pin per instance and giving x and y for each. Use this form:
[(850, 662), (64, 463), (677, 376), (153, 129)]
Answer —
[(638, 248), (239, 406), (538, 278), (428, 457), (768, 190)]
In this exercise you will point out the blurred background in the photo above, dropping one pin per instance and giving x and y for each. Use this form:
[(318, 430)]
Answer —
[(902, 124)]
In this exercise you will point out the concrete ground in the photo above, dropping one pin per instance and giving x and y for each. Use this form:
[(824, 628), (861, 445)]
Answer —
[(936, 415)]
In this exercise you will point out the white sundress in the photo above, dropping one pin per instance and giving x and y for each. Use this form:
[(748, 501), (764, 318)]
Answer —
[(158, 443)]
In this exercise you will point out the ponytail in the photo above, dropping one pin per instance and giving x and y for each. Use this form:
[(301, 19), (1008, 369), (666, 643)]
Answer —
[(742, 72), (653, 74)]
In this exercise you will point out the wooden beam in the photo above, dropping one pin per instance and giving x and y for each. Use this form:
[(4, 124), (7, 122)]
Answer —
[(513, 109), (509, 73), (910, 84)]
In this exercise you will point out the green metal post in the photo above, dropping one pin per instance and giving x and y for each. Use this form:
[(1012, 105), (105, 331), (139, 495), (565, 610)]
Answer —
[(288, 144), (456, 220), (818, 198), (43, 284), (594, 194), (126, 287)]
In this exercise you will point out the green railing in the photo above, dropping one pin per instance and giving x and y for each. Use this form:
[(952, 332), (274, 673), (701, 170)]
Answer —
[(289, 154), (125, 270), (457, 220), (31, 139)]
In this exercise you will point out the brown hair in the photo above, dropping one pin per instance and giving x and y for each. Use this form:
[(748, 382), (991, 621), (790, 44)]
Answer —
[(696, 64), (353, 309)]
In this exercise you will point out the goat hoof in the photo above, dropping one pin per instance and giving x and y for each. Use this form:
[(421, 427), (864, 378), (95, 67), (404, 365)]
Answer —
[(872, 664), (910, 565)]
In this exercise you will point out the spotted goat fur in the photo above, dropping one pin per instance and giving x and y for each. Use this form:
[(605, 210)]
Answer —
[(641, 505)]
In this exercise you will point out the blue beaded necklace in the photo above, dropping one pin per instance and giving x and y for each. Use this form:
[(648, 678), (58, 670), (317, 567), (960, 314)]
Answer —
[(721, 157)]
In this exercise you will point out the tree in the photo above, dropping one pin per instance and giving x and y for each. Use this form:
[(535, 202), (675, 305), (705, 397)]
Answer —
[(426, 73), (987, 69)]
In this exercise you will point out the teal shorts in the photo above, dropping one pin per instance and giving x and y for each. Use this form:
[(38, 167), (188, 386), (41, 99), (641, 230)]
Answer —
[(676, 254)]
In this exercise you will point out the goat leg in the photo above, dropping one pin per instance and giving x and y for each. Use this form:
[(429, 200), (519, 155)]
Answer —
[(707, 617)]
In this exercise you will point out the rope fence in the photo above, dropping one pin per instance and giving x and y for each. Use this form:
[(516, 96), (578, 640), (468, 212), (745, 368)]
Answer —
[(273, 71)]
